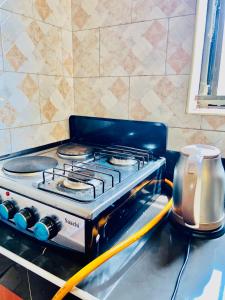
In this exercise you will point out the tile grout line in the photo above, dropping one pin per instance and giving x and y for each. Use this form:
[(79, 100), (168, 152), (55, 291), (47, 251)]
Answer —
[(73, 57), (127, 76), (131, 15), (34, 19), (71, 15), (129, 100), (31, 125), (198, 129), (85, 77), (167, 44), (74, 95), (61, 34), (39, 99), (10, 138), (65, 120), (37, 74), (130, 23), (99, 58), (1, 45)]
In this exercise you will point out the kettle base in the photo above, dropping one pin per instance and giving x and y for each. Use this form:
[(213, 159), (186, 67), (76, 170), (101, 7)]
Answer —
[(201, 234)]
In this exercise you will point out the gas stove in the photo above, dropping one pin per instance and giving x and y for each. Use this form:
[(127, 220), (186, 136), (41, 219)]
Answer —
[(80, 193)]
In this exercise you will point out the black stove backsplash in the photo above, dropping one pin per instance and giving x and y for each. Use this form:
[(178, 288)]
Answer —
[(151, 136)]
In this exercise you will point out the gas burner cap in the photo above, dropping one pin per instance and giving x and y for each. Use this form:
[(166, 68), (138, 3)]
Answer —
[(79, 180), (29, 165), (120, 160), (74, 151)]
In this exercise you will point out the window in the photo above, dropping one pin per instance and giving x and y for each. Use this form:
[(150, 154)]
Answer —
[(207, 83)]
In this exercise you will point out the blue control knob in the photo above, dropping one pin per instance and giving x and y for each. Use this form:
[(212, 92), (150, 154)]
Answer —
[(46, 228), (25, 218), (7, 209)]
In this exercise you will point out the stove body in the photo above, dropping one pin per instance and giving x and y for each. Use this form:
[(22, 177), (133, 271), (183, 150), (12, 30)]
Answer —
[(88, 220)]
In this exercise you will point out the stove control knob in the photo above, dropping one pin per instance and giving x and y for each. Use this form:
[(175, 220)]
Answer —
[(25, 218), (47, 228), (8, 209)]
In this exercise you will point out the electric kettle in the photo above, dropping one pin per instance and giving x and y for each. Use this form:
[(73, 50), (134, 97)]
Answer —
[(199, 188)]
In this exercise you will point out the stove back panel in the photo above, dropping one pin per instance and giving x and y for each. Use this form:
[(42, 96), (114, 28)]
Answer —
[(151, 136)]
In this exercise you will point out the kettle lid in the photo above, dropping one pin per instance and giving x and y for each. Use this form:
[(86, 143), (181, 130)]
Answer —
[(205, 151)]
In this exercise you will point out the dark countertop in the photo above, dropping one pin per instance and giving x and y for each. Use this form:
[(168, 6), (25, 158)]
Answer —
[(155, 271), (146, 270)]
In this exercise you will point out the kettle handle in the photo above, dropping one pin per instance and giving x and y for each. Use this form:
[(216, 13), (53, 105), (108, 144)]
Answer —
[(192, 190)]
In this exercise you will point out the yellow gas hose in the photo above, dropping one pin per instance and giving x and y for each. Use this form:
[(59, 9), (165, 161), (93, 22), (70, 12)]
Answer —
[(84, 272)]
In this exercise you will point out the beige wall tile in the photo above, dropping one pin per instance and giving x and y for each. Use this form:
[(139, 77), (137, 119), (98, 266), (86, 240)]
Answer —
[(31, 46), (213, 123), (180, 41), (49, 49), (5, 142), (56, 98), (55, 12), (135, 49), (33, 136), (86, 53), (67, 53), (18, 47), (88, 14), (161, 99), (2, 18), (23, 7), (102, 97), (179, 138), (1, 54), (34, 47), (19, 100), (152, 9)]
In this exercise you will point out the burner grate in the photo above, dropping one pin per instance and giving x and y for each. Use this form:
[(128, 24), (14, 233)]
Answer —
[(83, 174), (148, 155), (97, 171), (99, 174), (109, 152), (78, 179)]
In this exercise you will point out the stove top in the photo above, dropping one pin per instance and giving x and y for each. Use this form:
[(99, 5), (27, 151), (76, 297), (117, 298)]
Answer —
[(79, 193), (96, 181)]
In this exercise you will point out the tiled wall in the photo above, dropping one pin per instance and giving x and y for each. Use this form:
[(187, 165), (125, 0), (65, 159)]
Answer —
[(129, 59), (36, 72), (132, 60)]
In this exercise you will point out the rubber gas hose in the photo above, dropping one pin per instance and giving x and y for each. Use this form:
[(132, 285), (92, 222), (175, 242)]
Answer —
[(90, 267)]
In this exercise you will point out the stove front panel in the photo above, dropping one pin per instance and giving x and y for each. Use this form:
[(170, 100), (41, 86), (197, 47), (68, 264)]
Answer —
[(89, 236), (72, 228)]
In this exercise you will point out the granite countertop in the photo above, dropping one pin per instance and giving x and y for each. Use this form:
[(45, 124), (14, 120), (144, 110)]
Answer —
[(146, 270)]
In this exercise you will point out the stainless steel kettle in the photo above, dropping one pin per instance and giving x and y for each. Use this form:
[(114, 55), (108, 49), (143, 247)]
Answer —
[(199, 188)]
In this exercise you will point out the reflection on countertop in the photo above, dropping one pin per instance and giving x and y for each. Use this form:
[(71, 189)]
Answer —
[(146, 270)]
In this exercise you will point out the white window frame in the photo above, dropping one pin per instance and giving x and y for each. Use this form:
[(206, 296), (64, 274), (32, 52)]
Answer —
[(201, 13)]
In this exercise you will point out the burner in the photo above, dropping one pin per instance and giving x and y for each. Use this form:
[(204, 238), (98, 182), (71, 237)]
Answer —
[(29, 165), (74, 180), (74, 151), (120, 160)]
